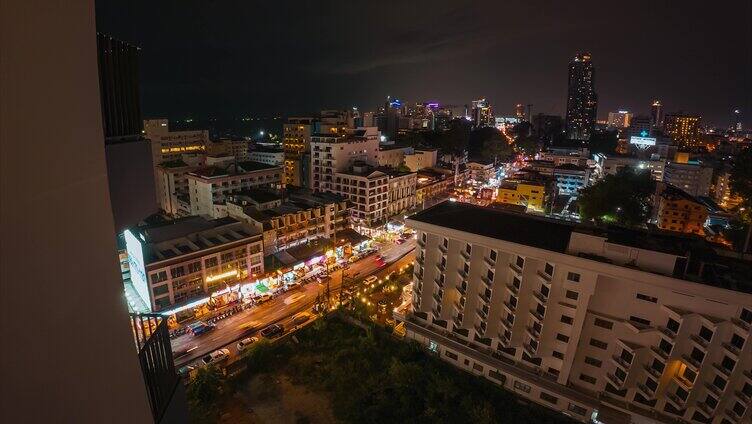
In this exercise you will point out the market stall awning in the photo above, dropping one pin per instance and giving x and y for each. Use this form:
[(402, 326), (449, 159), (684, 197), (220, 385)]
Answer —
[(350, 236)]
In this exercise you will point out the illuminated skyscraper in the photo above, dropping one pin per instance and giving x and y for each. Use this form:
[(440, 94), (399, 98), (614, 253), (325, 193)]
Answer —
[(619, 119), (519, 111), (683, 129), (582, 101), (656, 114), (482, 114)]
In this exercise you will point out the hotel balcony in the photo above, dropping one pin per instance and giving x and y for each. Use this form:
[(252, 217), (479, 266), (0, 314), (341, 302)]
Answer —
[(486, 281), (421, 243), (645, 391), (529, 348), (668, 333), (540, 297), (614, 380), (509, 307), (458, 307), (621, 363), (691, 363), (538, 317), (653, 372), (731, 349), (462, 273), (457, 321), (482, 314), (531, 331), (480, 330), (513, 289), (705, 409), (485, 299), (437, 298), (659, 354), (676, 401), (465, 254), (545, 278), (714, 390), (721, 369), (517, 270), (461, 289), (489, 262), (442, 249), (699, 342), (439, 283)]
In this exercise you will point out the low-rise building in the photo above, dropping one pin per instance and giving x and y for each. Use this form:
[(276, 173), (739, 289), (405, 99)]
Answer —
[(610, 165), (299, 218), (612, 325), (679, 211), (209, 187), (274, 157), (528, 193), (368, 189), (393, 155), (421, 158), (722, 192), (480, 170), (181, 261), (171, 145), (433, 184), (570, 178)]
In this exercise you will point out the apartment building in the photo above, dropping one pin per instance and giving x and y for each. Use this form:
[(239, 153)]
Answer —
[(678, 211), (181, 261), (209, 187), (611, 324), (402, 188), (338, 151), (170, 145), (610, 165), (274, 157), (577, 157), (722, 192), (297, 219), (421, 158), (393, 155), (570, 178), (693, 178), (433, 183), (367, 188), (172, 184)]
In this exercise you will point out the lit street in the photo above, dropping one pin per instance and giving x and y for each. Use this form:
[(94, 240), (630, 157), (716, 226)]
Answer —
[(282, 308)]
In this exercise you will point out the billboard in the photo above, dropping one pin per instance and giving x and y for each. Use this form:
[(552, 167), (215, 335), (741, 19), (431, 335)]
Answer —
[(137, 266), (642, 142)]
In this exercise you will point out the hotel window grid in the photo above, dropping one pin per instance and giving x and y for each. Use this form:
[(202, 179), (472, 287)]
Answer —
[(573, 276)]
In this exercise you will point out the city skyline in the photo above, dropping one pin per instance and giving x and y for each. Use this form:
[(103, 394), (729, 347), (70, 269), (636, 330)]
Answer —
[(212, 64)]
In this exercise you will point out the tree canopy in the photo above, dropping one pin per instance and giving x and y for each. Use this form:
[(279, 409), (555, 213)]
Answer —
[(741, 182), (623, 198)]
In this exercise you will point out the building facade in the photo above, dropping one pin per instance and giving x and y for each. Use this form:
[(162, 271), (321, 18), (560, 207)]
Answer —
[(680, 212), (368, 190), (722, 192), (683, 129), (402, 188), (269, 157), (421, 158), (695, 179), (531, 194), (191, 258), (337, 152), (209, 187), (581, 322), (169, 145), (582, 101)]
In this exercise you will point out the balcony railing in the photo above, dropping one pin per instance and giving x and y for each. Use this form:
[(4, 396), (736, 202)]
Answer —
[(157, 365)]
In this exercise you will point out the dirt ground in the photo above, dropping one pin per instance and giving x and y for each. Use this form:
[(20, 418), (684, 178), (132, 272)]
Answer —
[(272, 399)]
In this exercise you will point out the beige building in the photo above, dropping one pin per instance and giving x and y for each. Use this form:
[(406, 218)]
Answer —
[(393, 156), (191, 258), (170, 145), (402, 192), (421, 158), (619, 326), (209, 187), (337, 152), (722, 192), (695, 179), (298, 219), (368, 190), (268, 156), (172, 184)]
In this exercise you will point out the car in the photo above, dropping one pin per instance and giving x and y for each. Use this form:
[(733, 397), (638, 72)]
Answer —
[(301, 318), (200, 327), (293, 286), (272, 331), (263, 297), (353, 258), (370, 279), (245, 343), (186, 371), (218, 355)]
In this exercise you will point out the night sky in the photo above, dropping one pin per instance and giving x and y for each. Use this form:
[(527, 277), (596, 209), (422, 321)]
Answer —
[(226, 59)]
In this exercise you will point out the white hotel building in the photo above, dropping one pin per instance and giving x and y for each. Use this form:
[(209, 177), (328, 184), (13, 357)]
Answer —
[(639, 329)]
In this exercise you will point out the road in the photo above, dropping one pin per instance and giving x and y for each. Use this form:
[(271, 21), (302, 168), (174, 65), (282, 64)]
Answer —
[(284, 307)]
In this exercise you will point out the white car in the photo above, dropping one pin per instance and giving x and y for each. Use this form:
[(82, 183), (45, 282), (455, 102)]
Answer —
[(218, 355), (370, 279), (245, 343), (263, 298)]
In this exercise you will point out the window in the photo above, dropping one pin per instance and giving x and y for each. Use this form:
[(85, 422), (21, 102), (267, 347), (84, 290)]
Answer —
[(673, 325), (728, 363), (658, 366), (603, 323), (665, 347), (478, 367), (651, 384), (492, 255), (520, 261), (682, 393), (639, 320), (739, 409), (599, 344), (573, 276), (160, 290), (194, 267), (445, 243), (490, 275), (593, 361), (549, 398), (706, 334), (719, 382), (620, 374), (521, 387), (451, 355), (557, 354), (711, 402), (544, 290), (689, 375), (227, 257), (567, 320), (588, 378), (737, 341), (211, 262), (468, 248), (562, 338), (553, 371), (627, 356), (549, 269), (746, 315), (577, 409), (159, 277), (697, 355), (177, 271), (747, 390), (572, 295), (647, 298)]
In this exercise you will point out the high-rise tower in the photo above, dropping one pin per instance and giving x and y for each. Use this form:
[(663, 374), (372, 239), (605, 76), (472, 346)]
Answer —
[(582, 101)]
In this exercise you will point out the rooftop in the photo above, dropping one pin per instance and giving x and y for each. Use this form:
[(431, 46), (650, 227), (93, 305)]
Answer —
[(232, 169), (685, 257)]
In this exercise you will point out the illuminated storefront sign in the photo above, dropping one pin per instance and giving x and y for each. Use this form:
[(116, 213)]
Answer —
[(231, 273), (642, 142)]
